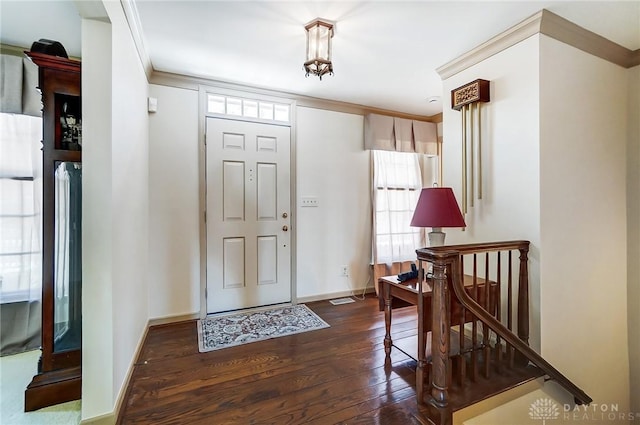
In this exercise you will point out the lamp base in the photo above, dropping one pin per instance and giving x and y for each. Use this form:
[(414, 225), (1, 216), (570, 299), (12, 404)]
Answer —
[(436, 237)]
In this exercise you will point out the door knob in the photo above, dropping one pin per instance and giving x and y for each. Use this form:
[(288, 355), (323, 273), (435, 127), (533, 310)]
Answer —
[(285, 215), (285, 228)]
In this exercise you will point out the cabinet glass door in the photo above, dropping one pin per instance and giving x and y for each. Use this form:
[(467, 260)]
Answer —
[(67, 302)]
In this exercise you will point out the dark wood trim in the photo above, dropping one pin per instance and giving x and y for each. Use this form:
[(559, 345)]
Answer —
[(473, 248), (54, 387), (440, 335), (49, 61), (523, 296)]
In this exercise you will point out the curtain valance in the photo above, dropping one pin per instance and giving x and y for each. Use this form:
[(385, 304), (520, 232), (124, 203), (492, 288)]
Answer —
[(387, 133), (18, 82)]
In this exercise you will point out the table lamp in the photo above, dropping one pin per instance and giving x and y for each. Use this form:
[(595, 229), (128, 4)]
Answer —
[(437, 208)]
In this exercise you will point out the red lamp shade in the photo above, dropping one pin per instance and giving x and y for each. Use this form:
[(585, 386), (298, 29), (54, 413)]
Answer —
[(437, 207)]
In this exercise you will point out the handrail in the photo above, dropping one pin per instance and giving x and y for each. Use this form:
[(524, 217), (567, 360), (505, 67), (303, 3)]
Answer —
[(442, 256), (474, 247)]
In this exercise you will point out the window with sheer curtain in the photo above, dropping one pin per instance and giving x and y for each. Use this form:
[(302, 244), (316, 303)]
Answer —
[(20, 194), (402, 150), (20, 204), (20, 231), (397, 182)]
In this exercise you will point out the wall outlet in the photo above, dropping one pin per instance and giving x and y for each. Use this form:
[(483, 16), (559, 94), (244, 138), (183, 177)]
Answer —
[(344, 271)]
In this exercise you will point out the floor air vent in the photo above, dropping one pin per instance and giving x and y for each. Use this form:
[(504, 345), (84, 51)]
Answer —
[(339, 301)]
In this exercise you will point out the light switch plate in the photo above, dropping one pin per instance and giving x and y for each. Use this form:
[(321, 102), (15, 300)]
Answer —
[(309, 201)]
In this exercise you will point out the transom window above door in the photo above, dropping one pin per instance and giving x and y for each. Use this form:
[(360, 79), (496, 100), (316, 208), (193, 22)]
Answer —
[(233, 106)]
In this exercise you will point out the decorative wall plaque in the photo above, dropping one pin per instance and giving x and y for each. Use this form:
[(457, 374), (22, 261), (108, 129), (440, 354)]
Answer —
[(475, 91)]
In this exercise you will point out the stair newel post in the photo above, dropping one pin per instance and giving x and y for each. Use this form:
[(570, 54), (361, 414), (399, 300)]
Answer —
[(440, 333), (523, 295)]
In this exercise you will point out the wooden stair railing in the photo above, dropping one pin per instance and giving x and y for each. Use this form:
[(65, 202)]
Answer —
[(448, 265)]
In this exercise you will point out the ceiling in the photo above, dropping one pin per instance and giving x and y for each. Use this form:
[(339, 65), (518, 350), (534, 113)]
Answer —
[(384, 52)]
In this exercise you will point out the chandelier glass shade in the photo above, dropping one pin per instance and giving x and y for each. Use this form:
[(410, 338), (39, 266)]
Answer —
[(319, 34)]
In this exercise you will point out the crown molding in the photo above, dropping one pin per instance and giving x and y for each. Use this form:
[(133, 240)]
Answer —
[(551, 25), (194, 83), (497, 44), (560, 29), (133, 20), (93, 10), (634, 59)]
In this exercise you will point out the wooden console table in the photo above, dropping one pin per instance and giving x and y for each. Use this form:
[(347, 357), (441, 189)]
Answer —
[(391, 288)]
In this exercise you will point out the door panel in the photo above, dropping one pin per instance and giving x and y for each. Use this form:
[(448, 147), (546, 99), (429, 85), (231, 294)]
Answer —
[(248, 216), (233, 190), (267, 260), (234, 263), (267, 191)]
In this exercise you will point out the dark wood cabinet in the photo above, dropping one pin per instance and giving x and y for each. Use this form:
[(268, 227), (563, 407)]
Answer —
[(59, 377)]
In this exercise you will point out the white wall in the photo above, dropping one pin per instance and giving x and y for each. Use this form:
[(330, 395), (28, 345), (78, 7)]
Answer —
[(97, 286), (115, 248), (510, 208), (556, 134), (583, 261), (130, 191), (174, 244), (633, 241), (332, 166)]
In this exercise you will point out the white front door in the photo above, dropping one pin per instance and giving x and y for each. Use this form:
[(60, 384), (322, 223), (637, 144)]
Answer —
[(248, 216)]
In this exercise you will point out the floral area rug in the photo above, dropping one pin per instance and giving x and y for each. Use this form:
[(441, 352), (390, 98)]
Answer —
[(217, 332)]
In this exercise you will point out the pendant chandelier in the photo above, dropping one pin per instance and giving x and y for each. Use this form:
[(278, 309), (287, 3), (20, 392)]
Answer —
[(319, 34)]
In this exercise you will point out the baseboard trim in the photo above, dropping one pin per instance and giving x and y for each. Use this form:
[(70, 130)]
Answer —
[(107, 419), (321, 297), (173, 319), (112, 417)]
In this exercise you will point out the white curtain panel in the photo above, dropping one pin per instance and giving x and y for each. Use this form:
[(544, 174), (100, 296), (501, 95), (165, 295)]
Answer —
[(396, 187), (20, 207)]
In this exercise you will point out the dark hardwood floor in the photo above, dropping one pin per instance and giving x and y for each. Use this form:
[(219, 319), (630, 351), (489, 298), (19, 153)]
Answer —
[(329, 376)]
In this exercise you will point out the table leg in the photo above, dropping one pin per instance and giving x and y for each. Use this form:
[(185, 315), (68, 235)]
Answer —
[(387, 318)]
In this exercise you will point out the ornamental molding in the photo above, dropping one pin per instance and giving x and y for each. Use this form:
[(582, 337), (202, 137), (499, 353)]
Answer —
[(551, 25)]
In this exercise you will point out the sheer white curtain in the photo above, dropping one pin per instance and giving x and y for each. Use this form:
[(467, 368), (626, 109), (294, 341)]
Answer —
[(20, 224), (397, 182)]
